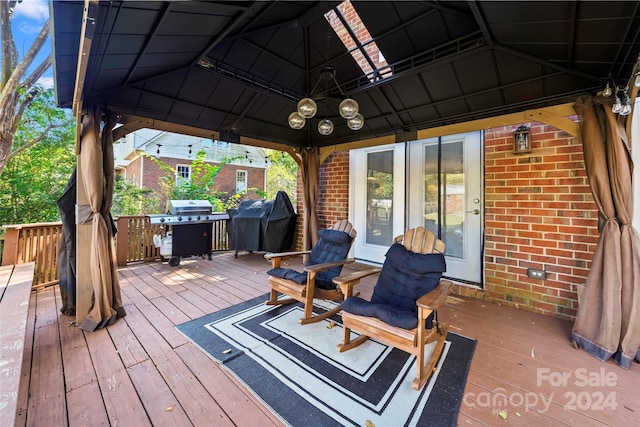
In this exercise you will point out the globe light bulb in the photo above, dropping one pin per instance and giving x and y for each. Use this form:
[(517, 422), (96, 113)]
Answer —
[(325, 127), (356, 122), (626, 107), (307, 108), (607, 90), (296, 121), (348, 108), (617, 106)]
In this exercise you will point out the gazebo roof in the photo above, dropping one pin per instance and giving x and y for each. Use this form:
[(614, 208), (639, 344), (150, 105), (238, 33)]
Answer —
[(238, 68)]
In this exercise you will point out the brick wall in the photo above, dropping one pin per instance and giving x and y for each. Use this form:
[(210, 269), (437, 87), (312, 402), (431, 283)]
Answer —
[(133, 171), (333, 201), (539, 214)]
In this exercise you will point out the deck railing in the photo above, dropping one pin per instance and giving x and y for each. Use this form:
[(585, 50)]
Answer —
[(34, 242), (134, 242)]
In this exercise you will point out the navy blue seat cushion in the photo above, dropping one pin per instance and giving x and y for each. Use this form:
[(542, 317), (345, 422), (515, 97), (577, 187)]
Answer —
[(404, 278), (332, 246)]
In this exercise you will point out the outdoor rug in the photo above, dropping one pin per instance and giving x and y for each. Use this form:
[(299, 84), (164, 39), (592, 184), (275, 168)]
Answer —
[(298, 373)]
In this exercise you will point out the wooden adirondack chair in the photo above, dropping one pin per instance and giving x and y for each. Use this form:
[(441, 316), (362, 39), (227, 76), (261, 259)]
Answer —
[(410, 339), (325, 262)]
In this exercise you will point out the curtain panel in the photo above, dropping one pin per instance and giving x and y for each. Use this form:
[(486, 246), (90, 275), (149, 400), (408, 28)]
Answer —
[(608, 319)]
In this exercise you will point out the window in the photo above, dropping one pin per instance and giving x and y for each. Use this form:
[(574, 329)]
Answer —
[(183, 174), (222, 145), (241, 181)]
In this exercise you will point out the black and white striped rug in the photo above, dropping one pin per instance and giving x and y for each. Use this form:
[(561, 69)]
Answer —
[(297, 371)]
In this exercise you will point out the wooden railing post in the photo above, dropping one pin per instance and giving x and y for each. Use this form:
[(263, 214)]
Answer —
[(11, 241), (122, 237)]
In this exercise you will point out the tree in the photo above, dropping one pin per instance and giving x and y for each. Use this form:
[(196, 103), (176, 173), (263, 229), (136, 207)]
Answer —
[(129, 199), (282, 175), (18, 90), (35, 175)]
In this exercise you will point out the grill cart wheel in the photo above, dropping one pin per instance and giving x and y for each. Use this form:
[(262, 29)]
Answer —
[(174, 261)]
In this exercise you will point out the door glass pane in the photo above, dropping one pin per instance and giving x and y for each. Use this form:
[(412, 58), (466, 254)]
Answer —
[(444, 206), (453, 199), (380, 198), (430, 210)]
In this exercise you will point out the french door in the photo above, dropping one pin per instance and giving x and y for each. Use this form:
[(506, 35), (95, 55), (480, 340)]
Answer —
[(377, 204), (435, 183)]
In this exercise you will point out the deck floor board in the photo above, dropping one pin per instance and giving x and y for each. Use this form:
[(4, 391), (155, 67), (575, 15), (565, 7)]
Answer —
[(141, 371)]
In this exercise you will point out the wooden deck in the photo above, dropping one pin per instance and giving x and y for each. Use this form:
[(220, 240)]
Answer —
[(141, 371)]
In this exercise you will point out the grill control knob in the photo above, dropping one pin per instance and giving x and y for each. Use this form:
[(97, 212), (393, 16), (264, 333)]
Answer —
[(179, 218), (188, 218), (198, 218), (161, 219)]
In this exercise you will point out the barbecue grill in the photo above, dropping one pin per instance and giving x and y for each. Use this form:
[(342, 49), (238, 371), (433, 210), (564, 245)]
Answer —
[(189, 229)]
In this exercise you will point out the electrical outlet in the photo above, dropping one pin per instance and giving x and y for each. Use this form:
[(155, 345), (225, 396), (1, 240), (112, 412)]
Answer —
[(536, 273)]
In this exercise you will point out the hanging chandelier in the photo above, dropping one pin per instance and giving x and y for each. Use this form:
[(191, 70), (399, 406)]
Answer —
[(308, 107)]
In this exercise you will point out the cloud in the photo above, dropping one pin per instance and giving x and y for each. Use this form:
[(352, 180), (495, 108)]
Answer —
[(26, 28), (33, 9), (45, 81)]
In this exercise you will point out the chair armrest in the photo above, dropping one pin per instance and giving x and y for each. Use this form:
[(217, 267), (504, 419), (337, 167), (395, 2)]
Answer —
[(348, 281), (327, 265), (269, 255), (355, 276), (434, 299)]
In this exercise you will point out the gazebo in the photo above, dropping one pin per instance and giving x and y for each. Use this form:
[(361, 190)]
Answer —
[(236, 71)]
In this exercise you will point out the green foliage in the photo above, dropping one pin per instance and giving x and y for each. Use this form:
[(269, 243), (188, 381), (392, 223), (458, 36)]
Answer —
[(200, 186), (44, 116), (129, 199), (282, 175), (34, 179)]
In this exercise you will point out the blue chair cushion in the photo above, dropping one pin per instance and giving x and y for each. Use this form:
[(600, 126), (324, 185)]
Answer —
[(332, 246), (404, 278)]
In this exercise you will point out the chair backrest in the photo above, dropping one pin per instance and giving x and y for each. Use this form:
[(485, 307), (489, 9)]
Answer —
[(345, 225), (333, 245), (413, 266), (421, 240)]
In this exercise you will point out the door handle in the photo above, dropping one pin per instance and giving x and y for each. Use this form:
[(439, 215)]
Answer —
[(475, 211)]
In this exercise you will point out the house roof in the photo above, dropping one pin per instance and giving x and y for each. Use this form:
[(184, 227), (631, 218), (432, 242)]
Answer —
[(172, 145), (238, 68)]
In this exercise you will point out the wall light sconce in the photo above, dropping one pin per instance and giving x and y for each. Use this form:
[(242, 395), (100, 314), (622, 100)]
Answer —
[(522, 140)]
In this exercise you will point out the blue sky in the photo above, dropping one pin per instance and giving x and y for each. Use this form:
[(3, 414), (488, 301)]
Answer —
[(28, 18)]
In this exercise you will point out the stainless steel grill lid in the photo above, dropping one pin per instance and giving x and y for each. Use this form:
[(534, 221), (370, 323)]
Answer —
[(180, 207)]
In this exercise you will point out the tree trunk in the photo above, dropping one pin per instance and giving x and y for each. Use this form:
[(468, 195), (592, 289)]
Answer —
[(13, 79)]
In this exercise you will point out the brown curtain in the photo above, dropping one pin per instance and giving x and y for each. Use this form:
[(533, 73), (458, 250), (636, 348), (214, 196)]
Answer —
[(608, 320), (96, 171), (310, 172)]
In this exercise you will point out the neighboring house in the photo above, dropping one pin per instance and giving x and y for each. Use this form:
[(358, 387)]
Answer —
[(245, 170)]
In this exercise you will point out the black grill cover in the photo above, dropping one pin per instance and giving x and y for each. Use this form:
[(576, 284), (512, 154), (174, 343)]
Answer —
[(67, 250), (262, 225)]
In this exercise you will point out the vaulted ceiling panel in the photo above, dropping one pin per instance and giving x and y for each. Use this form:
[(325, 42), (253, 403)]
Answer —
[(477, 72), (442, 82), (488, 100)]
